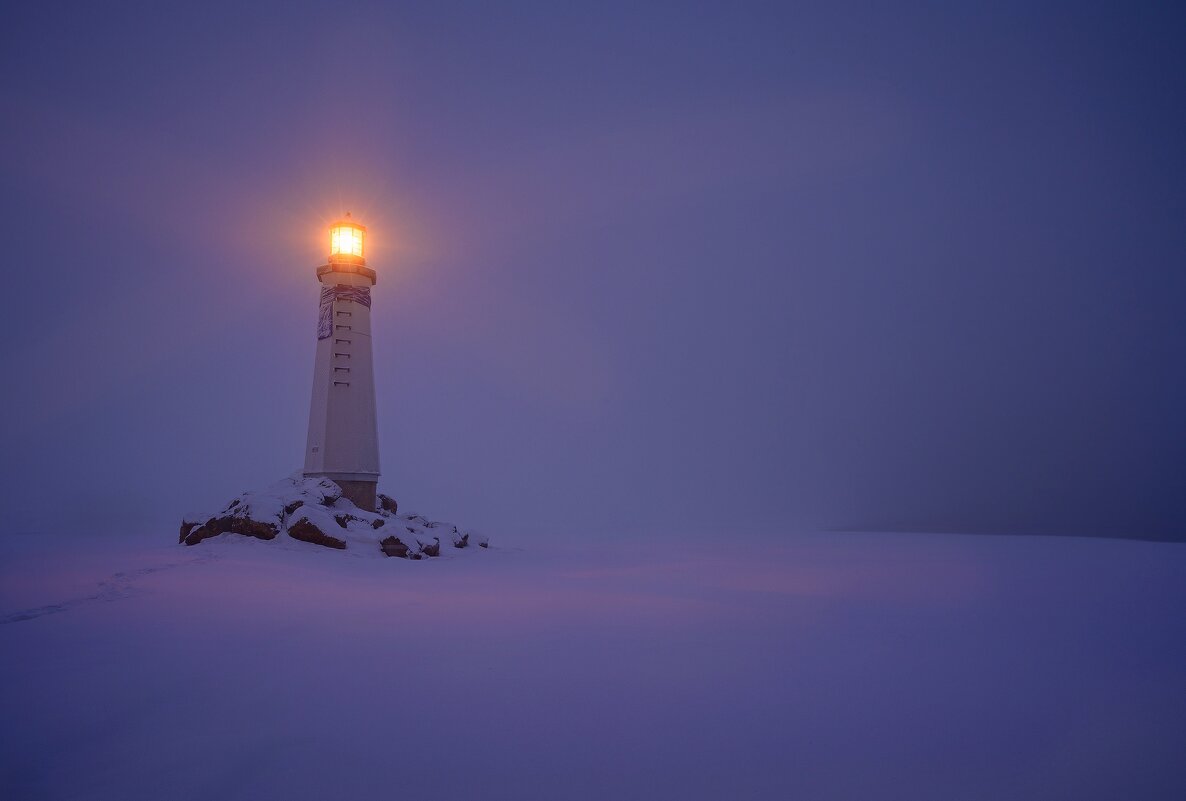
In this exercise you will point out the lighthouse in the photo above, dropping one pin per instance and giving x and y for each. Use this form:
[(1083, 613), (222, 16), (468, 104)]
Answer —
[(343, 443)]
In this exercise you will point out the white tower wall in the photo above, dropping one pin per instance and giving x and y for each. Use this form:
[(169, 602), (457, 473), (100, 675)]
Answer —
[(343, 442)]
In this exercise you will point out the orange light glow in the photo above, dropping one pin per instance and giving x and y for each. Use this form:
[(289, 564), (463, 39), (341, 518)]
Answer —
[(345, 239)]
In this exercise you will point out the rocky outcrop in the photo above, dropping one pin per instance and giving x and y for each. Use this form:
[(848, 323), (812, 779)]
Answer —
[(308, 508)]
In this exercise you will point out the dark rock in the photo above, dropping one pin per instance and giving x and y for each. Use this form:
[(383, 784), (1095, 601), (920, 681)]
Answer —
[(197, 535), (305, 531), (344, 519), (240, 521), (432, 549), (253, 528), (211, 528), (186, 528), (388, 504), (378, 522), (392, 546), (460, 540), (484, 544), (292, 507)]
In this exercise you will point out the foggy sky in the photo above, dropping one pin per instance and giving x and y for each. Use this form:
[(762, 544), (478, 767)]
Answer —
[(702, 268)]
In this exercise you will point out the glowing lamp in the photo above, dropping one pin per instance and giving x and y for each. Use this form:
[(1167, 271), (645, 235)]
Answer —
[(346, 241)]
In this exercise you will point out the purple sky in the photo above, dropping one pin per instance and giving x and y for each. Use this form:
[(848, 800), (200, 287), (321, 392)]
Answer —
[(688, 266)]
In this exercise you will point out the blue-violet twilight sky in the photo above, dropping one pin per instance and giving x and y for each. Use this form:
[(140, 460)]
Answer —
[(702, 268)]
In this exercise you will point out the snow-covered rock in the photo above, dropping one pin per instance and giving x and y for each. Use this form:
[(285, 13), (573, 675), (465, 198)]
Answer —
[(387, 504), (394, 546), (313, 510), (306, 530)]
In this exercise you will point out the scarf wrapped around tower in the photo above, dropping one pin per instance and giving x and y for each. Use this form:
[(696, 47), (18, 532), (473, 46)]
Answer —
[(325, 318)]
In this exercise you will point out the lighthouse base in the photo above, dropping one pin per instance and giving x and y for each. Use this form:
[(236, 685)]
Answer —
[(361, 493)]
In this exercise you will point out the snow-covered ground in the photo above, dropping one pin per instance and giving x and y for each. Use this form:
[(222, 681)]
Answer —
[(829, 666)]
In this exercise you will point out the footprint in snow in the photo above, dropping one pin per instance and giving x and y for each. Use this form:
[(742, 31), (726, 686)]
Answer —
[(118, 586)]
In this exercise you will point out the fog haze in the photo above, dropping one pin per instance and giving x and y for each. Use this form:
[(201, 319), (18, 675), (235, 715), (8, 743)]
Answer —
[(694, 268)]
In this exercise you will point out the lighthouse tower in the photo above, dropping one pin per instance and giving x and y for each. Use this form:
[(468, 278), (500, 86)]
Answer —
[(343, 441)]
